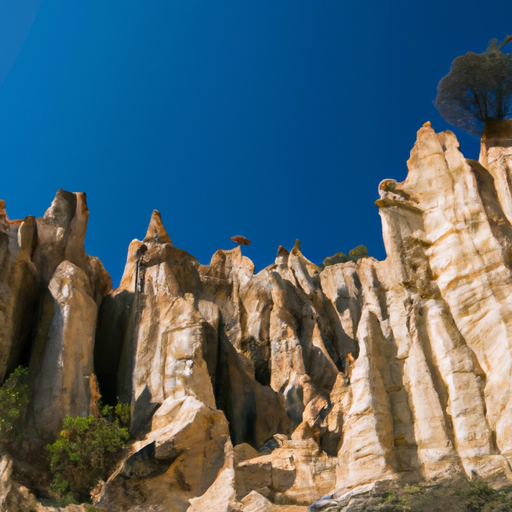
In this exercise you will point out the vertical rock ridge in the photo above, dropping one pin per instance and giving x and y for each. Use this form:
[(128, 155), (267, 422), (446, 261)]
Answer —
[(63, 362), (50, 290), (451, 239), (282, 386), (496, 157), (367, 450)]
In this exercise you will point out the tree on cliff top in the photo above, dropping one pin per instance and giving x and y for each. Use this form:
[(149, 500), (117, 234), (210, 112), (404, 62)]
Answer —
[(477, 88)]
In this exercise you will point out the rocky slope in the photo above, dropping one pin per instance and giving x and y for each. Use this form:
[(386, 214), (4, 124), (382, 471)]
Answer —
[(299, 386)]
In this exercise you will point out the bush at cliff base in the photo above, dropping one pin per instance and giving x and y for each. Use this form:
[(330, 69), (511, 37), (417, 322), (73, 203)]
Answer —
[(450, 495), (13, 403), (85, 451)]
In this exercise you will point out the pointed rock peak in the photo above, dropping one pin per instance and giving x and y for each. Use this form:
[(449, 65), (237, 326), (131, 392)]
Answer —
[(282, 256), (62, 209), (426, 131), (236, 252), (27, 234), (156, 231), (281, 251), (221, 256), (224, 263), (82, 209), (296, 247)]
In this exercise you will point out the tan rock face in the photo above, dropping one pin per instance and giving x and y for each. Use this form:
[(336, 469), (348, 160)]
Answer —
[(19, 289), (267, 391), (186, 453), (177, 360), (440, 247), (63, 360), (295, 472), (50, 290), (61, 236)]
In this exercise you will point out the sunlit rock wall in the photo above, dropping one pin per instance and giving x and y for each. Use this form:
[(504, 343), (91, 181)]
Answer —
[(267, 391)]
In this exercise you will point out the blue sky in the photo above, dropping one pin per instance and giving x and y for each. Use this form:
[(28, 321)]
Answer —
[(271, 119)]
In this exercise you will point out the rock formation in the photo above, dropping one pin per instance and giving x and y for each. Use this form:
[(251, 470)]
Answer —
[(299, 386)]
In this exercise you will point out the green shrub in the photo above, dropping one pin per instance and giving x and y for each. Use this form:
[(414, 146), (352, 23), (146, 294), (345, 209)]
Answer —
[(413, 489), (358, 252), (121, 413), (85, 451), (13, 403), (480, 497), (389, 496), (354, 254), (339, 257)]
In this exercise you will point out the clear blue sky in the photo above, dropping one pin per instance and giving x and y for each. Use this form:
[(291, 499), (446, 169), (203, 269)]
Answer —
[(273, 119)]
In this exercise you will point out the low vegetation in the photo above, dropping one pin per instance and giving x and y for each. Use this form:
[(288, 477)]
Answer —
[(85, 451), (354, 254), (456, 495), (13, 404)]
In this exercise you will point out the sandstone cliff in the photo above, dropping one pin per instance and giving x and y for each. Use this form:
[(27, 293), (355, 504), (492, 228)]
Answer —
[(299, 386)]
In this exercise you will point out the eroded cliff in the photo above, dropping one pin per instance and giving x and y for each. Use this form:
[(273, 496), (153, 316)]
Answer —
[(269, 391)]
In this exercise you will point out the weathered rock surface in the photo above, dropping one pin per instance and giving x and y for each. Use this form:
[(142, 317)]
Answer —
[(295, 472), (62, 361), (19, 282), (17, 498), (50, 291), (296, 385)]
